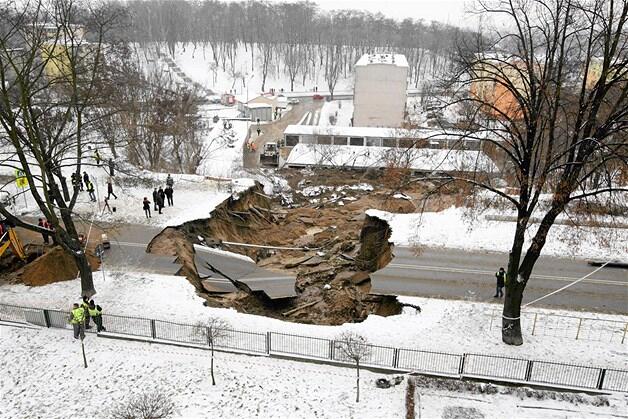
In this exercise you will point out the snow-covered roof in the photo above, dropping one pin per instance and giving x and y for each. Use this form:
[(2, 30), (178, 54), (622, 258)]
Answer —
[(422, 159), (258, 105), (378, 132), (398, 60)]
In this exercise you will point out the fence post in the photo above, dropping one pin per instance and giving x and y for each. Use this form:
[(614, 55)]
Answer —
[(153, 331), (462, 361), (534, 323), (600, 380), (396, 358), (331, 349), (268, 342), (528, 370), (46, 318), (623, 338), (579, 324)]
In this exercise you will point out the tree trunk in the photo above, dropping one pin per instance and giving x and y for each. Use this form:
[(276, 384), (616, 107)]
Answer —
[(511, 323), (212, 363), (357, 388), (85, 270)]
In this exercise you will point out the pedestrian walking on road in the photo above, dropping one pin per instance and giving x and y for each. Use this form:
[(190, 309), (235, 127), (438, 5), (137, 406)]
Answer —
[(44, 235), (146, 206), (169, 192), (501, 280), (77, 320), (95, 312), (155, 199), (110, 190)]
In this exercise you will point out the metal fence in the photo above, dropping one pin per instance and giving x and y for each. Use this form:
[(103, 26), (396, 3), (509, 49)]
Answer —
[(499, 368), (569, 327)]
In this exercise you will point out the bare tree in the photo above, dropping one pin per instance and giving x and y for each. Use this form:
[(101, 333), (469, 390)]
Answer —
[(356, 348), (213, 331), (556, 97), (156, 404), (51, 72)]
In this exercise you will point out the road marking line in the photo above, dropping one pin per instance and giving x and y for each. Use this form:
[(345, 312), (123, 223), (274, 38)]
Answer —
[(463, 270)]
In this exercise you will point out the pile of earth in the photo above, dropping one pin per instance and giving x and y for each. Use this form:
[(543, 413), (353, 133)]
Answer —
[(55, 265)]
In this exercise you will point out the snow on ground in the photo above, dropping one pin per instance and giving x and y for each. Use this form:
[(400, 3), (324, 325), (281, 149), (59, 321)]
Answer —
[(43, 377), (224, 148), (448, 326), (342, 110), (198, 64), (451, 228)]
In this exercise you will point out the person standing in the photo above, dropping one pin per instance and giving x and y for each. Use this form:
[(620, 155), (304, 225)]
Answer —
[(90, 191), (97, 157), (95, 312), (162, 197), (44, 235), (500, 282), (110, 190), (85, 307), (146, 206), (48, 225), (155, 199), (169, 181), (85, 180), (77, 320), (169, 192)]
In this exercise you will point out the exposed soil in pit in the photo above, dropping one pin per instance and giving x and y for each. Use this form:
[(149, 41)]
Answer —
[(331, 287)]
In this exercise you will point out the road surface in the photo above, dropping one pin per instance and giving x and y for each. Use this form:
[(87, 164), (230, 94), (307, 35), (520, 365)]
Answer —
[(450, 273)]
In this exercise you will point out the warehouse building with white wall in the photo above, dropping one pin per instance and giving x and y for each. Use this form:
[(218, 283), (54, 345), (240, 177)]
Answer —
[(379, 95)]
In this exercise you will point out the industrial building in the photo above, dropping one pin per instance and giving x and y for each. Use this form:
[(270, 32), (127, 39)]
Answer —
[(379, 96)]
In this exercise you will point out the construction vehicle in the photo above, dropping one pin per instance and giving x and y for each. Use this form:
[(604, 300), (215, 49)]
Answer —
[(270, 155), (8, 239)]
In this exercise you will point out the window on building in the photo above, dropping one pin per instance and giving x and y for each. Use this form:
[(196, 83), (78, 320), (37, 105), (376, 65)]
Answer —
[(308, 139), (374, 142), (340, 140), (389, 142), (406, 142), (324, 139), (292, 140), (359, 141)]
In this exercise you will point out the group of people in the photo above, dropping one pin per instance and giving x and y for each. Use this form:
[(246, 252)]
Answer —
[(160, 197), (81, 315), (83, 184)]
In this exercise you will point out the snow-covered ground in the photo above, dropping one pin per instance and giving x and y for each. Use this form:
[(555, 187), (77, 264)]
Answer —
[(448, 326), (452, 228), (342, 111), (43, 377), (198, 64)]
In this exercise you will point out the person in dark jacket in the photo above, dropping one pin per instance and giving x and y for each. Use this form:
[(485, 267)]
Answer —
[(162, 198), (110, 190), (85, 179), (146, 206), (90, 190), (169, 192), (155, 199), (169, 181), (95, 312), (501, 280)]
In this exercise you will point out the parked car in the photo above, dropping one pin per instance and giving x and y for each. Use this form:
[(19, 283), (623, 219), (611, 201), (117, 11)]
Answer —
[(293, 101), (318, 97)]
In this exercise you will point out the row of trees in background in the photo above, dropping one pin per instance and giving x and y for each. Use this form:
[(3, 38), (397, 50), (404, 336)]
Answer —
[(298, 35)]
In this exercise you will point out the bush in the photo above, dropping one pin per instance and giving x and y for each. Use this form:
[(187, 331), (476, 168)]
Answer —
[(154, 405)]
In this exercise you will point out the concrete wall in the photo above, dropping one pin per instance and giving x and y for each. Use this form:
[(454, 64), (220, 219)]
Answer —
[(379, 95)]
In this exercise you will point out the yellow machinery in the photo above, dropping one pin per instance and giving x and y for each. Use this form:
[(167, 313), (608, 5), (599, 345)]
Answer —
[(13, 241)]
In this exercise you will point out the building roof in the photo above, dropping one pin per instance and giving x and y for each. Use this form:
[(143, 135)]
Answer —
[(398, 60), (380, 132), (360, 157), (258, 105)]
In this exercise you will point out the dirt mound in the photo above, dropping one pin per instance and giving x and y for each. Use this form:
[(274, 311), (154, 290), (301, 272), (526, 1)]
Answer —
[(53, 266)]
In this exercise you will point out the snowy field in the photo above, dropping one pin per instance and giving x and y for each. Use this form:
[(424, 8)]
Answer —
[(452, 229), (43, 377), (448, 326), (341, 110)]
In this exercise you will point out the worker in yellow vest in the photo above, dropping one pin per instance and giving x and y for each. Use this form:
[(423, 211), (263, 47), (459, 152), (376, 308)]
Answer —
[(77, 319), (95, 312)]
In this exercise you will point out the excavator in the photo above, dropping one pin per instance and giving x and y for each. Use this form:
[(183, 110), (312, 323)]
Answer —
[(9, 238)]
